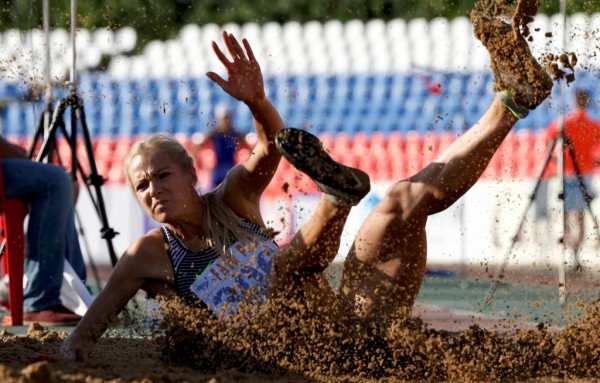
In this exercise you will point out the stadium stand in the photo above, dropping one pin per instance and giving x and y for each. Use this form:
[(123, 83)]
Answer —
[(385, 96)]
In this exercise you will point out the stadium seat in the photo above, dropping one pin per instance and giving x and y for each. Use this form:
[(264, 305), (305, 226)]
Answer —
[(538, 28), (417, 30), (462, 40), (575, 38), (399, 45), (594, 26), (441, 44)]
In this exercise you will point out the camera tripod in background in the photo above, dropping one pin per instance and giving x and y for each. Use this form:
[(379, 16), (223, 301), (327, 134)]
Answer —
[(587, 197), (52, 122), (91, 179)]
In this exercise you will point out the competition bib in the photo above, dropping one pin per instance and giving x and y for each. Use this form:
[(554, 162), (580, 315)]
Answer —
[(223, 286)]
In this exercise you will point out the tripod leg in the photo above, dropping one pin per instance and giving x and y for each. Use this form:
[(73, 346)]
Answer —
[(498, 275), (88, 252), (94, 178), (57, 121), (587, 196), (39, 133)]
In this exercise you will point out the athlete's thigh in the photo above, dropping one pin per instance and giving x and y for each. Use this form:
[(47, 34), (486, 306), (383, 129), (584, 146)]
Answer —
[(310, 288), (385, 265)]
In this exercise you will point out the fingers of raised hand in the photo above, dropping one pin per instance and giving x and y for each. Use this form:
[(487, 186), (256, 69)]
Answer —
[(249, 50), (220, 55), (235, 49)]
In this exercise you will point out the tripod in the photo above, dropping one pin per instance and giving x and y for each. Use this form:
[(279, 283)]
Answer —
[(47, 129), (587, 197), (93, 179)]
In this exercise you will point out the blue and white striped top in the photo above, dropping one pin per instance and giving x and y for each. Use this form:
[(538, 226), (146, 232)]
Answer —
[(188, 265)]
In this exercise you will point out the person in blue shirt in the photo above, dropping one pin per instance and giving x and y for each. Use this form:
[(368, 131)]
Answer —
[(226, 141)]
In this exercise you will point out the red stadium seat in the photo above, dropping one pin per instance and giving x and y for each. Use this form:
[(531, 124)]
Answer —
[(431, 147), (206, 157), (414, 152), (446, 139), (396, 153), (378, 143)]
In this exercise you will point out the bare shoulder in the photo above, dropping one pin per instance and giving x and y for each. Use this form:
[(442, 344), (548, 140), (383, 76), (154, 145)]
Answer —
[(152, 240), (148, 255)]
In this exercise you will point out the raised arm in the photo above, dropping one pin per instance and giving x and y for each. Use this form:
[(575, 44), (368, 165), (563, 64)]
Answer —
[(245, 83)]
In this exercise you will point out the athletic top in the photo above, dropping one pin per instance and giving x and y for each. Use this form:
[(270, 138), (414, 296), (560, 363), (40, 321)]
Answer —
[(189, 265)]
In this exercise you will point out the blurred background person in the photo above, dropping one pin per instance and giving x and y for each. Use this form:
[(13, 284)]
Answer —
[(226, 140), (582, 134)]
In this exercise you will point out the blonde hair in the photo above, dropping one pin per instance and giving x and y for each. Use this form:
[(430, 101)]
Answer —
[(159, 143), (221, 226)]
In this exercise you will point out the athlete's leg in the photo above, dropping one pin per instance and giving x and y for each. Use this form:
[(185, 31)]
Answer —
[(386, 264), (315, 245)]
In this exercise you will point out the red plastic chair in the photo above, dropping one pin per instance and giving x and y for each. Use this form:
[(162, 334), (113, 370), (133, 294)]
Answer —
[(12, 216)]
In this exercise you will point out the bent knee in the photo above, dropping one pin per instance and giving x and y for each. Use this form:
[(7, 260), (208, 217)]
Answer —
[(410, 200)]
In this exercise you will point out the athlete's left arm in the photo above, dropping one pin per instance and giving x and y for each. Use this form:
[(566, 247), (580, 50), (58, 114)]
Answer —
[(248, 180)]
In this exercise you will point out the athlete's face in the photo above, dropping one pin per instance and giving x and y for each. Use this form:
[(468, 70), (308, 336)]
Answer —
[(162, 187)]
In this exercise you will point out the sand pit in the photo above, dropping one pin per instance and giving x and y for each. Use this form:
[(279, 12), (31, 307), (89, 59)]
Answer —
[(289, 342)]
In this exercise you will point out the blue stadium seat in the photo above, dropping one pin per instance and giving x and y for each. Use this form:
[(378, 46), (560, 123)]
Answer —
[(478, 83), (147, 111), (386, 123), (380, 88), (431, 107), (340, 85), (456, 86), (13, 121), (399, 88), (452, 105), (165, 102), (107, 100), (186, 106), (9, 91), (456, 123)]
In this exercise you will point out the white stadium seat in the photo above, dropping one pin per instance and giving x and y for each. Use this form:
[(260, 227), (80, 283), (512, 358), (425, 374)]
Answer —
[(119, 67), (420, 43), (329, 47), (104, 39), (399, 45), (461, 36), (576, 41), (441, 44), (593, 43), (125, 40)]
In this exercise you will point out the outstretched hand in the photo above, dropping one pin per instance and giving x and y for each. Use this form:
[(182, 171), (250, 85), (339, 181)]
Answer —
[(66, 354), (245, 80)]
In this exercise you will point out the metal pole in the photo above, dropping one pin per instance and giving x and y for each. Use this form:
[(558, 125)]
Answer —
[(73, 43), (47, 84), (562, 280)]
